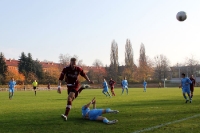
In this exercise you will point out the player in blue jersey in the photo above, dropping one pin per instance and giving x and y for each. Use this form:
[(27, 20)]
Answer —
[(124, 85), (105, 88), (96, 114), (185, 85), (11, 85), (145, 86)]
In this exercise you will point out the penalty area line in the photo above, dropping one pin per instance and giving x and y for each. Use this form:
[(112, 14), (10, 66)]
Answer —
[(165, 124)]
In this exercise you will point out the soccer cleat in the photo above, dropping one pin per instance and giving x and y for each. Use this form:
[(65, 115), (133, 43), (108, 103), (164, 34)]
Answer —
[(186, 101), (112, 122), (113, 111), (190, 101), (84, 86), (64, 117)]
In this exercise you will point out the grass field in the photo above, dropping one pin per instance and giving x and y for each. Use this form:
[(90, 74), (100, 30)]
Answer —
[(139, 110)]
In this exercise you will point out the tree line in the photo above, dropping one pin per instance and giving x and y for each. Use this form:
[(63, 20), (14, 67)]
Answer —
[(152, 70)]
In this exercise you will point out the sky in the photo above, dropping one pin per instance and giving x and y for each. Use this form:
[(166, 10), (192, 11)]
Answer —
[(86, 28)]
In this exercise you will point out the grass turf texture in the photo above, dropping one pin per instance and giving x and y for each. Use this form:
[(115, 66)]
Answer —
[(27, 113)]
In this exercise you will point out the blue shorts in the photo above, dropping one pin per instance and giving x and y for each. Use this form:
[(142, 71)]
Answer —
[(125, 87), (186, 90), (11, 89), (94, 113)]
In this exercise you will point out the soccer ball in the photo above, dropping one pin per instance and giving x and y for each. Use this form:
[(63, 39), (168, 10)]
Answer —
[(181, 16)]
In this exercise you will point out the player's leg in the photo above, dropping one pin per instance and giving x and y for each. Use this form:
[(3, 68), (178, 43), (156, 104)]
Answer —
[(112, 91), (127, 90), (80, 90), (69, 103), (104, 92), (191, 90), (10, 93), (108, 93), (186, 100), (122, 90), (189, 95)]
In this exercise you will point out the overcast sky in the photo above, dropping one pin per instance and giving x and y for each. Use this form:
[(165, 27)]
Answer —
[(48, 28)]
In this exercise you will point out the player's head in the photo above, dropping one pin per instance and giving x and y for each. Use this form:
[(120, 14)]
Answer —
[(124, 78), (110, 78), (191, 76), (73, 62), (12, 78), (183, 75)]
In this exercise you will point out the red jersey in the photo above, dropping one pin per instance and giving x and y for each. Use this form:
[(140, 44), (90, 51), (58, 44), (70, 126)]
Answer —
[(193, 82), (71, 75), (111, 82)]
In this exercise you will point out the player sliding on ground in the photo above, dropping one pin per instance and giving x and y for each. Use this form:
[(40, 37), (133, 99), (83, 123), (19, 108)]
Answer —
[(185, 85), (71, 74), (96, 114)]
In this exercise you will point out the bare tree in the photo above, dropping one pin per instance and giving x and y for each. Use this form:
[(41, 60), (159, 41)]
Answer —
[(161, 64), (113, 70), (97, 63), (65, 59), (129, 61), (191, 64)]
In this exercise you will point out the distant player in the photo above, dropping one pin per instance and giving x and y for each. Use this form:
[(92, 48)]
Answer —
[(124, 85), (185, 85), (159, 85), (112, 83), (96, 114), (105, 88), (11, 85), (71, 73), (145, 86), (49, 86), (35, 84), (192, 85)]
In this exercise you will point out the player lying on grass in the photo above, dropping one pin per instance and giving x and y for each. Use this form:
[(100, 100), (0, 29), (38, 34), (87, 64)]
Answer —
[(96, 114)]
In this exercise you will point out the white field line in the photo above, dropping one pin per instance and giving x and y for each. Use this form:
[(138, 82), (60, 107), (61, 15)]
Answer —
[(165, 124)]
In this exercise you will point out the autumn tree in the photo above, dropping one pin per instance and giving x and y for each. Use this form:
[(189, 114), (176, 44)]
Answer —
[(19, 77), (114, 64), (145, 70)]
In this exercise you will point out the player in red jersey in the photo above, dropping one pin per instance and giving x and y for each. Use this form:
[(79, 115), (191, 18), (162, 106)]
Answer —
[(112, 83), (192, 85), (71, 73)]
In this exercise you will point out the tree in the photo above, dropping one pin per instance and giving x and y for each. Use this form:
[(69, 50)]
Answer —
[(130, 67), (113, 70), (145, 70), (161, 67), (97, 63), (3, 68), (129, 61), (65, 60), (191, 64)]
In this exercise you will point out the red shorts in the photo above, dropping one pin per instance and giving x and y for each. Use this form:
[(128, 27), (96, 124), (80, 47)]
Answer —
[(72, 89)]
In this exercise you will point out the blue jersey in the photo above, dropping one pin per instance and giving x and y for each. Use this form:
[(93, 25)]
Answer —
[(85, 111), (125, 83), (144, 83), (105, 85), (12, 84), (185, 83)]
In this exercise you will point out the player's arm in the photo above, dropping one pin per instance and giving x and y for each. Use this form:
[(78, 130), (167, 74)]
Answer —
[(82, 73), (62, 75), (88, 105), (94, 104)]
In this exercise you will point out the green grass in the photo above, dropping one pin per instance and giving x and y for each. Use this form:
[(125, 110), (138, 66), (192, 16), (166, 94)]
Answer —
[(27, 113)]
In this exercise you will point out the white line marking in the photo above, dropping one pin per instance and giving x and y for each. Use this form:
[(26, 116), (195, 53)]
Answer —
[(165, 124)]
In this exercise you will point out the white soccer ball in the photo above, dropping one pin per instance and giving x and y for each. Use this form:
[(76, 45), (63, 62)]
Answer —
[(181, 16)]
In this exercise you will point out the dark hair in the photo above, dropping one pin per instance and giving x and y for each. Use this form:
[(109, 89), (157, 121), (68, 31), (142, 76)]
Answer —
[(183, 74), (73, 59)]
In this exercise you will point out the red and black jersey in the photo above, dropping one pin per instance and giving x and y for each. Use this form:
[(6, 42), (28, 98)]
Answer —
[(193, 82), (71, 75), (111, 82)]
